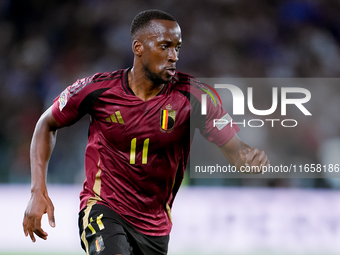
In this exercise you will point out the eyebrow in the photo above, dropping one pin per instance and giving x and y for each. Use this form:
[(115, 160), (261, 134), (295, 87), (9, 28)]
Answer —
[(169, 41)]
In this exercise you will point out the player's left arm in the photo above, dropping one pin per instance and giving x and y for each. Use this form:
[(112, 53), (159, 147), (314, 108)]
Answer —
[(241, 154)]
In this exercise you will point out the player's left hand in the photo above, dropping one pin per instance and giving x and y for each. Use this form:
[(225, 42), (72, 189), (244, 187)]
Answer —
[(254, 158)]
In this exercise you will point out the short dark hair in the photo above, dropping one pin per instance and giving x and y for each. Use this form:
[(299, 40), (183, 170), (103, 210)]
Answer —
[(143, 19)]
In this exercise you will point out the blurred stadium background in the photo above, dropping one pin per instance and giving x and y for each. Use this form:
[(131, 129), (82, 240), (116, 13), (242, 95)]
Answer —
[(47, 45)]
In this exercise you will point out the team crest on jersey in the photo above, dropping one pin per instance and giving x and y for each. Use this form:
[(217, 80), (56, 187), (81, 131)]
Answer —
[(64, 96), (168, 119)]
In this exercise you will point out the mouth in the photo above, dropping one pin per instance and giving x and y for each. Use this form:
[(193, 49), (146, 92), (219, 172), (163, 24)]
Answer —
[(171, 70)]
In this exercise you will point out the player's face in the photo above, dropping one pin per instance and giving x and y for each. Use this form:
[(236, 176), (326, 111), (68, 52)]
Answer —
[(161, 46)]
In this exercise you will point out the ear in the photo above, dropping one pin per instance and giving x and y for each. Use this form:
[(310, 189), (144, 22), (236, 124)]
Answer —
[(137, 48)]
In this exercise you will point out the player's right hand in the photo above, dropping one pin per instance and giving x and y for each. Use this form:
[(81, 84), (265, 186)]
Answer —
[(38, 205)]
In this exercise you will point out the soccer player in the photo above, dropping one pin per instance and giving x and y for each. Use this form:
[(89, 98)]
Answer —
[(141, 121)]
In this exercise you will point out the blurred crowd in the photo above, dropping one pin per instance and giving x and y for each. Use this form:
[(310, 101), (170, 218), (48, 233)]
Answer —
[(47, 45)]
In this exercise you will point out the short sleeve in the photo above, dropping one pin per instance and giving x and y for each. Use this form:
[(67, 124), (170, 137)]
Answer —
[(216, 125), (67, 107)]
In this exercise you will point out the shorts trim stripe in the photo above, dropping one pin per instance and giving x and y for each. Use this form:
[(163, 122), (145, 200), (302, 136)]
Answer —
[(85, 224)]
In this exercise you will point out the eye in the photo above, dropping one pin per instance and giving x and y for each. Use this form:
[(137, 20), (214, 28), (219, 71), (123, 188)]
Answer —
[(178, 47), (164, 46)]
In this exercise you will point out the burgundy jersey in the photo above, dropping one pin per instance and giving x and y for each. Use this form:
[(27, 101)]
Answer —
[(138, 150)]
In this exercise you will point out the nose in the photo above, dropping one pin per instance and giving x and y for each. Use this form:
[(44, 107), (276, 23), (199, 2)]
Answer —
[(173, 55)]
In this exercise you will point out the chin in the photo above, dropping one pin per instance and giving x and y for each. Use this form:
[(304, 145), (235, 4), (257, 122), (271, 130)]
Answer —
[(168, 79)]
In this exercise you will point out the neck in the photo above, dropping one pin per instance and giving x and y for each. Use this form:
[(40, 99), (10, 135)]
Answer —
[(142, 86)]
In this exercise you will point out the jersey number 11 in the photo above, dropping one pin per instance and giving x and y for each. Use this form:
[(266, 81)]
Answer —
[(133, 151)]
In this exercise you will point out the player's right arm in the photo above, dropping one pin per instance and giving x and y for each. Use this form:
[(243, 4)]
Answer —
[(42, 145)]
